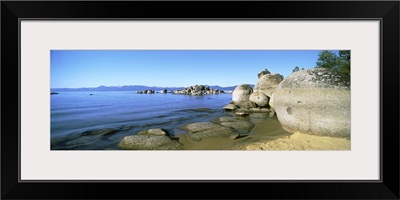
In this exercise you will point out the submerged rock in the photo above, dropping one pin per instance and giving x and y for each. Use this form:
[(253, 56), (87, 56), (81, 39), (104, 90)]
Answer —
[(234, 136), (200, 130), (125, 128), (239, 124), (149, 142), (241, 113), (230, 107), (81, 141), (315, 101), (107, 131), (241, 93)]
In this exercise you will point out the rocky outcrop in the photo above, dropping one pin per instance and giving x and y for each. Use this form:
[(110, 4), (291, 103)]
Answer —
[(260, 99), (263, 73), (152, 139), (200, 130), (241, 93), (239, 124), (164, 91), (149, 142), (156, 131), (244, 107), (315, 101), (230, 107), (198, 90), (267, 83), (146, 92), (250, 100)]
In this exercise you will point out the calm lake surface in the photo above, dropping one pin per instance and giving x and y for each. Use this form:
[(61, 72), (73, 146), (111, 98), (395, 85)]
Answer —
[(75, 113)]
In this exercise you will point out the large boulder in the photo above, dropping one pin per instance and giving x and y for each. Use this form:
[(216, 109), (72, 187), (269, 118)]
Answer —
[(260, 99), (200, 130), (149, 142), (263, 73), (315, 101), (241, 93), (271, 102), (267, 83)]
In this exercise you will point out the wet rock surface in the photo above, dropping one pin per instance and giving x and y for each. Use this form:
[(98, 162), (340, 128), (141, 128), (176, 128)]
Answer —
[(156, 131), (107, 131), (239, 124), (230, 107), (149, 142), (200, 130)]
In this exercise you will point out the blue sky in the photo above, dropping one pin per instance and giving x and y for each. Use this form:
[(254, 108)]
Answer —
[(170, 68)]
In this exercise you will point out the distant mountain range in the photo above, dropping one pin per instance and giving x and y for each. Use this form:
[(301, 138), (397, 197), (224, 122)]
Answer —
[(136, 88)]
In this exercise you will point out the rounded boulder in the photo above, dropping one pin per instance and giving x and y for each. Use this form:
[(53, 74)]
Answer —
[(267, 83), (241, 93), (315, 101), (259, 98)]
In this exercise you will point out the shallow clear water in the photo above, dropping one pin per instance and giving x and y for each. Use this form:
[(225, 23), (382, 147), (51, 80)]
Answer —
[(74, 113)]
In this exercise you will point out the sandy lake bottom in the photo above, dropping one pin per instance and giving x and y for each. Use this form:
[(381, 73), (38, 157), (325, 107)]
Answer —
[(267, 134)]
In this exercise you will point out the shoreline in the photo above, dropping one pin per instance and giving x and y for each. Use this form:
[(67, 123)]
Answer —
[(301, 141), (294, 142), (268, 135)]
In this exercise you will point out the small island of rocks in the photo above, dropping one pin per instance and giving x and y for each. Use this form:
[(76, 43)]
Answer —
[(192, 90)]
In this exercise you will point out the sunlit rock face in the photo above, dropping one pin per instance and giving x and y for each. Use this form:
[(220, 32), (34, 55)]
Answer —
[(260, 99), (267, 83), (241, 93), (315, 101)]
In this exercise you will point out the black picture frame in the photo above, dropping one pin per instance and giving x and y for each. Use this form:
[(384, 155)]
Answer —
[(386, 11)]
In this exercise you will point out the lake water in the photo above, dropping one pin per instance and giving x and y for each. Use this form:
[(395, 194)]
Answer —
[(75, 113)]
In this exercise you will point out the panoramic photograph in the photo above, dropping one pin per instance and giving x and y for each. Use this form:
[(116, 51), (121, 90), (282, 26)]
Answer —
[(264, 100)]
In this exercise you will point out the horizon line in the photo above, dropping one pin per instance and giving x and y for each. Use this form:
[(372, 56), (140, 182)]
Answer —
[(143, 85)]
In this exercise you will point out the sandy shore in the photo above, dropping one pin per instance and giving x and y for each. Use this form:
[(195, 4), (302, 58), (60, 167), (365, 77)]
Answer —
[(299, 141), (268, 134)]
